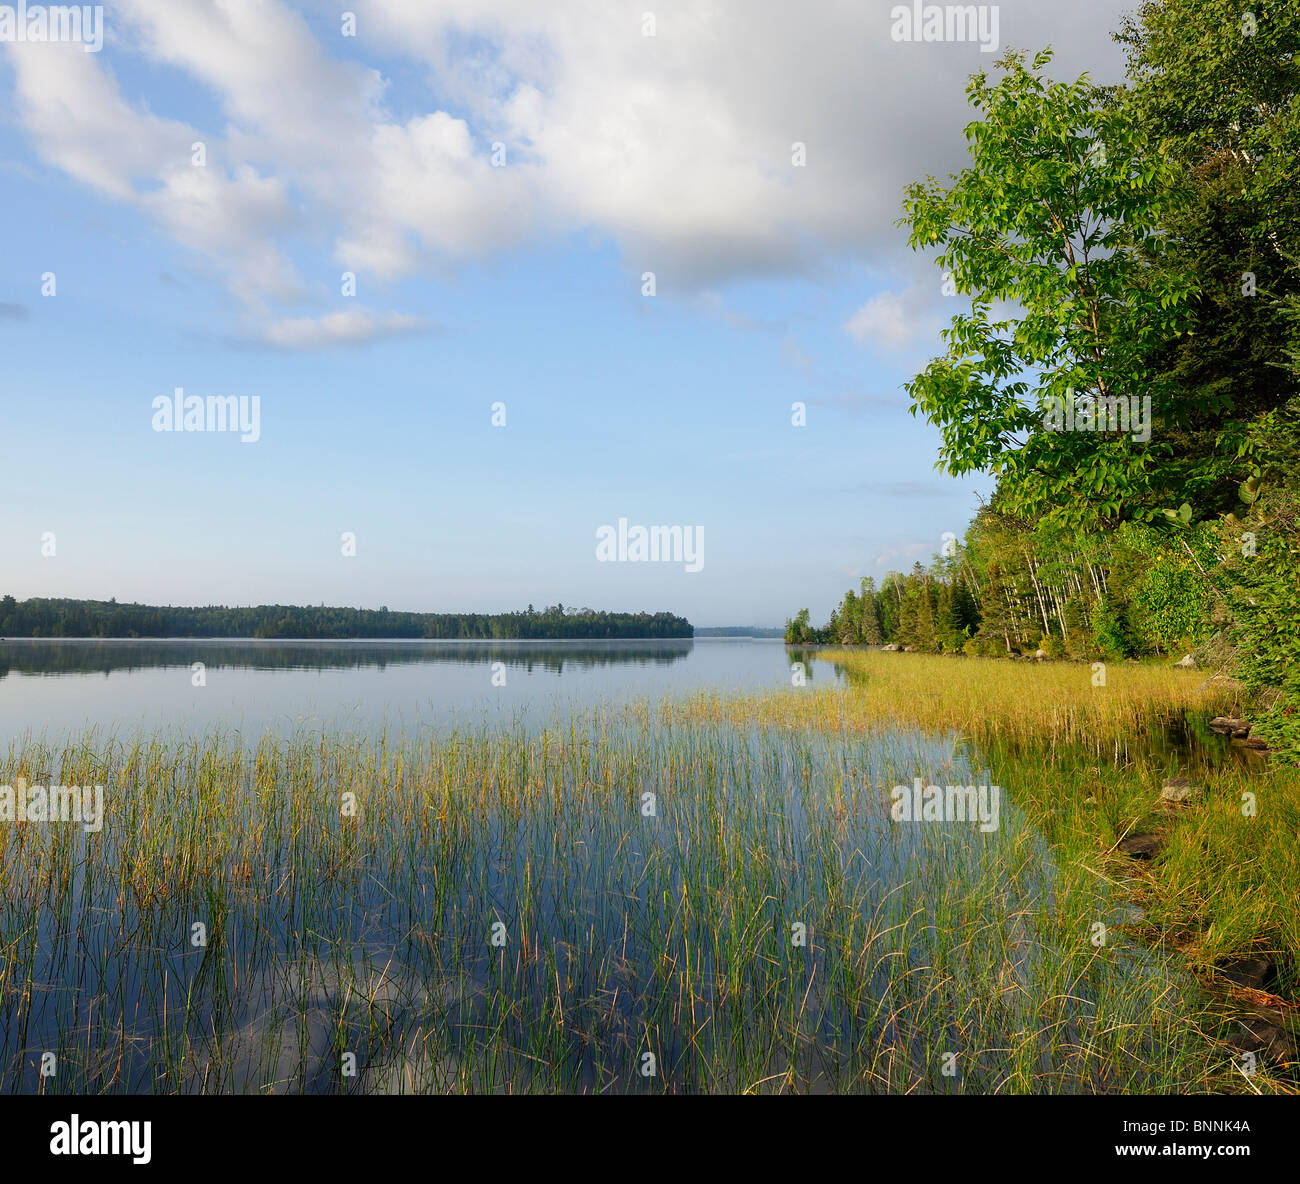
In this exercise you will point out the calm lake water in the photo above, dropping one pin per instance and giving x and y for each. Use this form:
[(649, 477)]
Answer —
[(58, 688), (620, 928)]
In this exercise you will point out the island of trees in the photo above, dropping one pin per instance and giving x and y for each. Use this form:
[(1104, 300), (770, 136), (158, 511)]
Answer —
[(107, 618)]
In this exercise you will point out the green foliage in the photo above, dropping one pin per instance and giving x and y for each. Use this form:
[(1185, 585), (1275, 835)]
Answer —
[(1172, 602), (798, 631), (1259, 578), (959, 614), (1109, 636), (869, 628), (1051, 231), (1219, 98), (1053, 645), (1012, 588)]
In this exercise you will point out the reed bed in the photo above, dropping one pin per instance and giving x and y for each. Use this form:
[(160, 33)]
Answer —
[(508, 911), (1085, 761), (1043, 707)]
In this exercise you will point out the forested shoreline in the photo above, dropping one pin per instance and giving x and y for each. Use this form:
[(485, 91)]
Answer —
[(1127, 364), (106, 618), (1013, 589)]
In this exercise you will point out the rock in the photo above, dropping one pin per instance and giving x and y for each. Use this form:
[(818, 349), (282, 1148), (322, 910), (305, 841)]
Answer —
[(1253, 972), (1229, 725), (890, 649), (1187, 663), (1259, 1033), (1040, 654), (1144, 846), (1178, 789), (907, 649)]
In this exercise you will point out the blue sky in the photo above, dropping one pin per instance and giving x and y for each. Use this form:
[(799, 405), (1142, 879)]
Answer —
[(477, 285)]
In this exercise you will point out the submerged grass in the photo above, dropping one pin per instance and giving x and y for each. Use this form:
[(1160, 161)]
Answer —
[(1086, 757), (701, 896)]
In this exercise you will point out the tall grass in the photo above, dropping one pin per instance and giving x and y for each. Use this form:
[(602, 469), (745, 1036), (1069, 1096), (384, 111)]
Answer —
[(935, 957), (1044, 707), (1085, 754), (928, 948)]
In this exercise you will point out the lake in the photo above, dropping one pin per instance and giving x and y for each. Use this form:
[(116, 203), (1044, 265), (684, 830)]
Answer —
[(61, 687), (371, 867)]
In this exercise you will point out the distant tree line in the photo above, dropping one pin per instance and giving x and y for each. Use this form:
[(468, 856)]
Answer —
[(100, 618)]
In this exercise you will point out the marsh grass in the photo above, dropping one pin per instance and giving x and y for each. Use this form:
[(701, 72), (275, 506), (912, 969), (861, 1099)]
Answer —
[(330, 935), (1228, 880), (1086, 765), (1041, 707)]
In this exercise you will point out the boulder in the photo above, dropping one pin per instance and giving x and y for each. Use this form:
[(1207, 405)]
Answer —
[(890, 649), (1144, 846), (1253, 972), (1040, 654), (1261, 1032), (1230, 725), (1178, 789), (1186, 663)]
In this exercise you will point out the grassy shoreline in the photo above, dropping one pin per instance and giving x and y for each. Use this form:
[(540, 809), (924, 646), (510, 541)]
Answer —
[(1087, 764)]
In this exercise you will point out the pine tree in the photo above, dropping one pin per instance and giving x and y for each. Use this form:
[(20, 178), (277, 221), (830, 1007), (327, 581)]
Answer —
[(870, 632)]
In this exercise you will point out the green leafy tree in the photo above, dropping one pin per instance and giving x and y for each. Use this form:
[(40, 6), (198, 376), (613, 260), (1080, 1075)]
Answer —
[(1051, 231), (799, 630)]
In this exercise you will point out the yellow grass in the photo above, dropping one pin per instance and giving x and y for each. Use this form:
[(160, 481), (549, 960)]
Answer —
[(986, 699)]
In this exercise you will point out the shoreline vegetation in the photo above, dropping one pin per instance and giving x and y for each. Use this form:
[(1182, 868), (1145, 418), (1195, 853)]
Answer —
[(1124, 362), (46, 618), (1009, 590), (712, 882), (1101, 766), (1126, 366)]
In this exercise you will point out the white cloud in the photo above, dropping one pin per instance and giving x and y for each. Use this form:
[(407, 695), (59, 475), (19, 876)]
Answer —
[(882, 320), (677, 147), (355, 326), (78, 121)]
